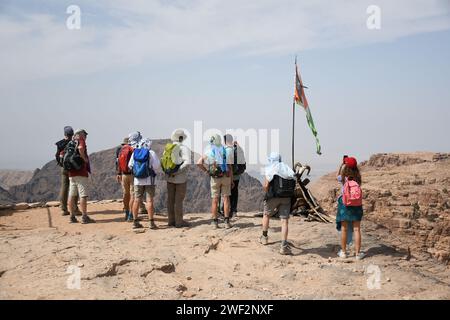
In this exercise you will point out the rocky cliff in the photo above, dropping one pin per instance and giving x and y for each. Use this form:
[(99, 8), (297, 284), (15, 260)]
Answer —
[(11, 178), (406, 193), (45, 184)]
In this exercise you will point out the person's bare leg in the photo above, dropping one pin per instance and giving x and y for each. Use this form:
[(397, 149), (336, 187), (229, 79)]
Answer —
[(344, 236), (136, 208), (284, 229), (265, 223), (150, 208), (83, 205), (214, 206), (226, 206), (357, 232)]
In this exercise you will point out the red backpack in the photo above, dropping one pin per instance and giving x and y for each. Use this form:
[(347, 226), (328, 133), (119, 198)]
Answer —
[(124, 159), (352, 196)]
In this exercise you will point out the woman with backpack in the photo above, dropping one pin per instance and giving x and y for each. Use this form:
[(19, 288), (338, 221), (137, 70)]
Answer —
[(350, 210)]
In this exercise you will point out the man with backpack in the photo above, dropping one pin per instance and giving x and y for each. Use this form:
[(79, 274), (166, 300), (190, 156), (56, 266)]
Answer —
[(64, 191), (144, 164), (237, 158), (174, 163), (216, 163), (76, 160), (279, 187), (125, 176)]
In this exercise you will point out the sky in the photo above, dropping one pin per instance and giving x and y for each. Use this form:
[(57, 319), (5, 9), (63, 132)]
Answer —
[(154, 66)]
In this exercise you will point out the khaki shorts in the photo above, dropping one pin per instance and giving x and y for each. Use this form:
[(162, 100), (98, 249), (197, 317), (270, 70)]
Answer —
[(141, 191), (220, 187), (78, 187), (280, 205), (128, 184)]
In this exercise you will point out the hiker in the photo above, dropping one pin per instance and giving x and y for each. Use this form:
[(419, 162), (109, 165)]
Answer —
[(65, 184), (144, 164), (76, 160), (350, 210), (174, 163), (279, 187), (237, 158), (125, 176), (218, 166)]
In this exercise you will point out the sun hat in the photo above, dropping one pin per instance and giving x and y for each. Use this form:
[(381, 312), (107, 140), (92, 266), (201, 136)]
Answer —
[(177, 134), (351, 162), (78, 131)]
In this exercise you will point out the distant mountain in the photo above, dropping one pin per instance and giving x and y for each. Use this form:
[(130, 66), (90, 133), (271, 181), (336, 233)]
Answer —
[(11, 178), (5, 197), (45, 184)]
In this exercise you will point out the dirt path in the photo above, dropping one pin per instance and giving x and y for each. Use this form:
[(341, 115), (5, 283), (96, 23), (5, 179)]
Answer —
[(38, 246)]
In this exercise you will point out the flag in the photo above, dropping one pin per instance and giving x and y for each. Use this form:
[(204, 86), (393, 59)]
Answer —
[(300, 99)]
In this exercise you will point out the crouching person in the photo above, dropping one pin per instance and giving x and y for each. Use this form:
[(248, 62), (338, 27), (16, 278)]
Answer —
[(144, 164), (279, 186)]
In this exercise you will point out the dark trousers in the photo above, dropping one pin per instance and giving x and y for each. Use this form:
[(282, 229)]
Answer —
[(175, 197), (234, 198)]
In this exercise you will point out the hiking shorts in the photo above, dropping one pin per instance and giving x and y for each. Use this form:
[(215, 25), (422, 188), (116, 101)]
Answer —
[(78, 187), (128, 185), (280, 205), (220, 187), (141, 191)]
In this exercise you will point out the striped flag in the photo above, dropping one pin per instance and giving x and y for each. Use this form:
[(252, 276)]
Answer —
[(300, 99)]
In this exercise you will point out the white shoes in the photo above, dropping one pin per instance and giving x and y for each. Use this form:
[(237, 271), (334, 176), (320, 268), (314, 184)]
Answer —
[(341, 254), (264, 240), (360, 256)]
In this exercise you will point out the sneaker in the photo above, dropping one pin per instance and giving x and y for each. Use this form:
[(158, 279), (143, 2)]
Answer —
[(215, 224), (228, 225), (73, 219), (285, 250), (152, 225), (137, 225), (127, 216), (341, 254), (86, 220), (264, 240), (360, 256)]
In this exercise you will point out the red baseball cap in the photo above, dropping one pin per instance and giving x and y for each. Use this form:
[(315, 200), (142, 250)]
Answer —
[(351, 162)]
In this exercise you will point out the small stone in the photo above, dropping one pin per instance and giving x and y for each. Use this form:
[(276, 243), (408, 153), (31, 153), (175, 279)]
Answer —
[(188, 278), (189, 295), (22, 206), (51, 204), (388, 279), (80, 265)]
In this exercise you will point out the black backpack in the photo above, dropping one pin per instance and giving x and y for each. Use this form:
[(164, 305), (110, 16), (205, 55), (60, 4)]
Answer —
[(282, 188), (60, 147), (72, 159), (238, 168)]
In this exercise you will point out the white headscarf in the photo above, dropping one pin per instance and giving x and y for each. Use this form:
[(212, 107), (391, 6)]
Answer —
[(134, 138), (276, 167)]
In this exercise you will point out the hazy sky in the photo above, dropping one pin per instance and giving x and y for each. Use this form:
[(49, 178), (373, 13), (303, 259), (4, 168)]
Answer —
[(157, 65)]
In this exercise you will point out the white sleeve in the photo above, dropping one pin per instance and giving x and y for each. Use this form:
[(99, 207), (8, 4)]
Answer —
[(155, 163), (131, 163)]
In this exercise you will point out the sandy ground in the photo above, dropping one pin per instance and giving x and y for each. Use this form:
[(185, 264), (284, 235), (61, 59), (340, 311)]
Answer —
[(37, 247)]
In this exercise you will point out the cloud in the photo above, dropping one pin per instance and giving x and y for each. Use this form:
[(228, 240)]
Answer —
[(116, 34)]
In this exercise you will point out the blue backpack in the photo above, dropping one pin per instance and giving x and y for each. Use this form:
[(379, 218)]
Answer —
[(141, 167)]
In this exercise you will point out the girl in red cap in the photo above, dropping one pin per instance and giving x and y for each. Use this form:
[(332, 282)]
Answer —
[(348, 218)]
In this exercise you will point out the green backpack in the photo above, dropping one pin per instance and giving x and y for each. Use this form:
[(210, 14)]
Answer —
[(167, 164)]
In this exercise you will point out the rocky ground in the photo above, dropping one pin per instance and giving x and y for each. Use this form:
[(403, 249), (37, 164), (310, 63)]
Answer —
[(38, 247)]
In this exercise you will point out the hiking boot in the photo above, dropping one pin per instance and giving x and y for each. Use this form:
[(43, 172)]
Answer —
[(130, 217), (86, 220), (137, 225), (341, 254), (73, 219), (360, 256), (285, 250), (184, 224), (152, 225), (264, 240), (215, 224), (228, 225), (65, 213)]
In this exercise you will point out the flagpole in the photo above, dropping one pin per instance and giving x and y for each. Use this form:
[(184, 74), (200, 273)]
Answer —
[(293, 134)]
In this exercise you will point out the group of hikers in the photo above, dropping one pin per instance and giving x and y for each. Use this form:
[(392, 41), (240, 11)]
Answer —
[(137, 168)]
